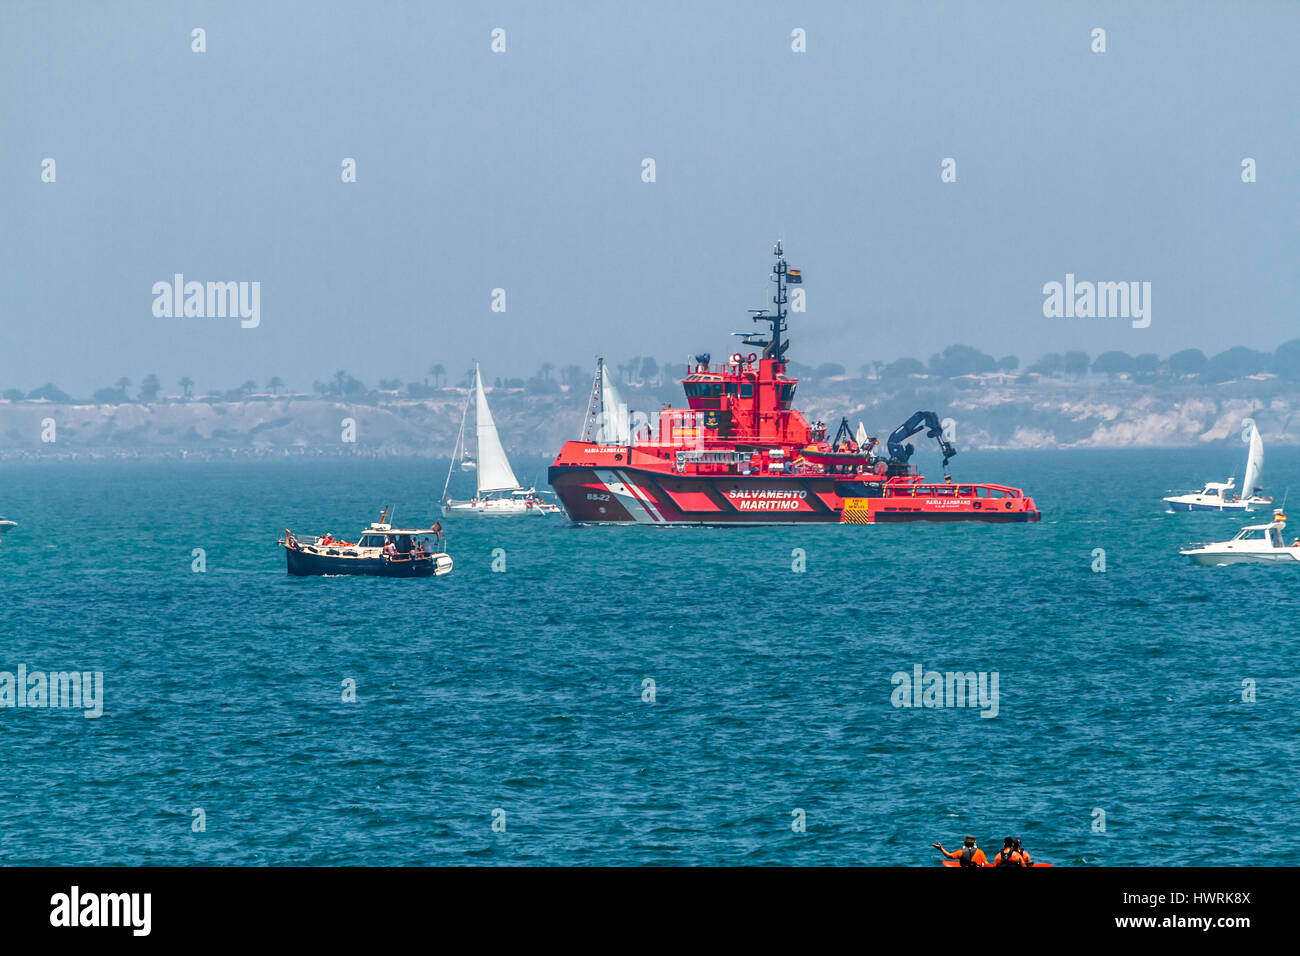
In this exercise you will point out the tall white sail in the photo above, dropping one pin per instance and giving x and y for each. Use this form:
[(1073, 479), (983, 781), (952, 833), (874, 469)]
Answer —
[(494, 472), (1254, 464), (614, 427)]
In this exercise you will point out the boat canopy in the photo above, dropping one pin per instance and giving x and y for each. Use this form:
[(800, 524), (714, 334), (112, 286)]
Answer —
[(1216, 489)]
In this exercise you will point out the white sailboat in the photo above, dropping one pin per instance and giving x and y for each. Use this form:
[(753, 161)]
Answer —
[(608, 421), (499, 491), (615, 423), (1220, 495)]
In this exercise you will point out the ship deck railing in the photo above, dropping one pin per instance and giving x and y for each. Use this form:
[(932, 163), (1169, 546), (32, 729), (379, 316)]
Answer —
[(966, 489)]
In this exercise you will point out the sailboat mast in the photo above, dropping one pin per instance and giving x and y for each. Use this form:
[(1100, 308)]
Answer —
[(594, 404), (457, 449), (479, 400)]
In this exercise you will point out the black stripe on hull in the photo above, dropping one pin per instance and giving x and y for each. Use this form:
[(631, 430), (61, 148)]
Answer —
[(304, 564)]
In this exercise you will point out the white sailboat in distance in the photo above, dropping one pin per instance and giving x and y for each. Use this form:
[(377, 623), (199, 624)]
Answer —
[(499, 491), (1220, 495)]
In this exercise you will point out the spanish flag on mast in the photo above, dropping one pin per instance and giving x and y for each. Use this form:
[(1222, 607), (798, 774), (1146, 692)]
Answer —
[(795, 277)]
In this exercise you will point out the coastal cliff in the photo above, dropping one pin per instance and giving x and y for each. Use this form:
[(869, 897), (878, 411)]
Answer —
[(989, 412)]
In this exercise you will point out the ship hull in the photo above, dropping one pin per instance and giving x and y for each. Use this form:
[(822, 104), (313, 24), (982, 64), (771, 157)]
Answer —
[(640, 496), (1214, 559)]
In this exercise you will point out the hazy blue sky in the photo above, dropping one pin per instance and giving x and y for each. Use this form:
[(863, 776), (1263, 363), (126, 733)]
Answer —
[(522, 170)]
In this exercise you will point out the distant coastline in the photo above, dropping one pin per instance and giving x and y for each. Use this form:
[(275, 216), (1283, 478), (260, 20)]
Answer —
[(992, 411)]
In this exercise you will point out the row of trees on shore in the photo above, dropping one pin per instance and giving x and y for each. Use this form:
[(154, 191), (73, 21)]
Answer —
[(954, 362), (957, 361)]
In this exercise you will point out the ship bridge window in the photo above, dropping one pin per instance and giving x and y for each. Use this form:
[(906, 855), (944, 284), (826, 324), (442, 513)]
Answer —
[(704, 390), (787, 394), (746, 389), (730, 388)]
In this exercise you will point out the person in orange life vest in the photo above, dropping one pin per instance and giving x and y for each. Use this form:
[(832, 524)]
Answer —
[(1009, 855), (1024, 854), (969, 854)]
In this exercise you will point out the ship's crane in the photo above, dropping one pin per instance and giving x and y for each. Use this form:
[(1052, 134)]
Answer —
[(901, 453)]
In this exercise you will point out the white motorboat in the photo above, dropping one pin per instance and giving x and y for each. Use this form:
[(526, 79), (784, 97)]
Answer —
[(499, 492), (1221, 495), (7, 525), (1253, 544)]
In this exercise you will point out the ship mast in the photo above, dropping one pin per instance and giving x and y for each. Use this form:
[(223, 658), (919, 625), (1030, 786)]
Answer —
[(774, 348), (780, 299)]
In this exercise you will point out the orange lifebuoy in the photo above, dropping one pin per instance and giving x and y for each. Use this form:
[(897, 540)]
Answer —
[(753, 357), (735, 359)]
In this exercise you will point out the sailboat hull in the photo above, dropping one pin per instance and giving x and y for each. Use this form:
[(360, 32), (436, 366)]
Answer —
[(499, 508), (1209, 503), (1175, 505)]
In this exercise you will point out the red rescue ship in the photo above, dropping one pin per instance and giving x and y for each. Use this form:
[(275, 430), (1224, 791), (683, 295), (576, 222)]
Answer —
[(740, 453)]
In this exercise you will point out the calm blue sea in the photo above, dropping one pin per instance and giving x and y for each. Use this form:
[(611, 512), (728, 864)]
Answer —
[(521, 691)]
